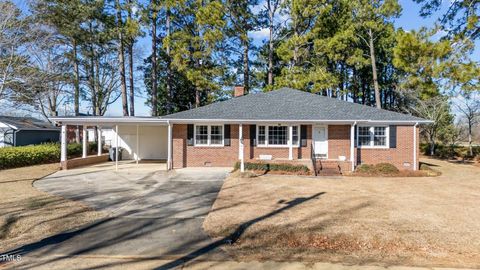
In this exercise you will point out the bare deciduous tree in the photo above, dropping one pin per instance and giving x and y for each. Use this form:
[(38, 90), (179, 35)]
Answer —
[(469, 107)]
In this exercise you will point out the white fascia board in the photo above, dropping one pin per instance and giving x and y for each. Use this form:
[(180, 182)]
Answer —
[(248, 121), (108, 121)]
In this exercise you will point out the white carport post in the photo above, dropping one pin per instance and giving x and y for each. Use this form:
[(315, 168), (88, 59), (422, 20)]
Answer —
[(241, 147), (352, 145), (290, 142), (99, 145), (169, 148), (136, 156), (63, 145), (84, 141), (116, 147)]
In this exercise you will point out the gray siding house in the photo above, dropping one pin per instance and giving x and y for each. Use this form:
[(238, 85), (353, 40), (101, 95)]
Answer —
[(19, 131)]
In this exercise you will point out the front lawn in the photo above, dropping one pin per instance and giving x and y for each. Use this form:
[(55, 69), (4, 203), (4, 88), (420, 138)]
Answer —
[(28, 215), (422, 221)]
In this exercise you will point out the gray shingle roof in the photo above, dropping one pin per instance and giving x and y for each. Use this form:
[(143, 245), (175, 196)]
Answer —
[(26, 122), (289, 104)]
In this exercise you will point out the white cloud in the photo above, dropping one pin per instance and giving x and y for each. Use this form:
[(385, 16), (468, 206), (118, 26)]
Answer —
[(260, 34)]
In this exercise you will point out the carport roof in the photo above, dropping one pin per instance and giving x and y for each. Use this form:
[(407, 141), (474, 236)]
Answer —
[(109, 120)]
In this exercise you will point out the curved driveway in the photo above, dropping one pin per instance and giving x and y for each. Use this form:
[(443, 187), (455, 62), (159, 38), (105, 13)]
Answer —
[(152, 213)]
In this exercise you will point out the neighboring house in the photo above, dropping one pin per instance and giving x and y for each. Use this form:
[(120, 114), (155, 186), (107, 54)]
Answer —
[(18, 131), (285, 125)]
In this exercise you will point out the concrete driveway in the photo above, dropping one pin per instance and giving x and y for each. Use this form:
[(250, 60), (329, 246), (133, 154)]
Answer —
[(152, 213)]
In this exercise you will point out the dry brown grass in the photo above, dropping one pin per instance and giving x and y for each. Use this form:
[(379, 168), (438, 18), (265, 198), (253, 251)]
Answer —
[(424, 221), (28, 215)]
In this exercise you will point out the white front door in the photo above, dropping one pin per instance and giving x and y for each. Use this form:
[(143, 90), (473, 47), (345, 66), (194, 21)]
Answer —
[(320, 141)]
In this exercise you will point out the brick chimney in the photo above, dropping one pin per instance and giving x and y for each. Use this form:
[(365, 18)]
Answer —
[(238, 91)]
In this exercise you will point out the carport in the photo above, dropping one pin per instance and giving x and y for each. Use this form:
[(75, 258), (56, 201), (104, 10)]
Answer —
[(141, 138)]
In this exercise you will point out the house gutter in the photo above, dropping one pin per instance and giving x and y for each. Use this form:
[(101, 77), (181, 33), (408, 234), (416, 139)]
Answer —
[(415, 146), (352, 144)]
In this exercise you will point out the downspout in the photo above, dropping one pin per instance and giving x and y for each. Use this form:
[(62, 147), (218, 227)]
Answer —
[(352, 145), (415, 146)]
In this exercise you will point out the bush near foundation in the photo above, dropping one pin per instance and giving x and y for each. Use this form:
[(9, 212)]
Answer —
[(377, 169), (274, 167), (20, 156)]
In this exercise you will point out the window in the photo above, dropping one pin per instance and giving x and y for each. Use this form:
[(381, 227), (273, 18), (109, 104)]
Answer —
[(372, 137), (261, 135), (380, 136), (363, 136), (201, 135), (295, 135), (276, 135), (216, 135), (206, 135)]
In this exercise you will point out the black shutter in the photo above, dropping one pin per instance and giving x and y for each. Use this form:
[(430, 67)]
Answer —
[(393, 136), (190, 134), (226, 135), (253, 135), (303, 135), (355, 136)]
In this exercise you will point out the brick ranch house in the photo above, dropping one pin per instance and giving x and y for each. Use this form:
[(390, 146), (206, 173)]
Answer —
[(285, 125)]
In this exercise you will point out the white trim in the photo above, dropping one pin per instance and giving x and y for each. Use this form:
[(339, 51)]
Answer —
[(415, 147), (241, 148), (352, 145), (326, 136), (290, 142), (372, 135), (84, 141), (267, 145), (169, 150), (209, 133), (99, 145), (63, 142), (136, 154), (116, 148)]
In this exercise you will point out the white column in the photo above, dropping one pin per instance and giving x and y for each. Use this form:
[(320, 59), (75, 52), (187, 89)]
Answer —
[(116, 147), (352, 145), (136, 154), (241, 147), (169, 150), (63, 144), (290, 142), (415, 147), (99, 145), (84, 141)]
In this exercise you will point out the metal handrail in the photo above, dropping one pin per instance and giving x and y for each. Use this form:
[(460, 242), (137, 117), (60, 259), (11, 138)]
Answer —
[(314, 159)]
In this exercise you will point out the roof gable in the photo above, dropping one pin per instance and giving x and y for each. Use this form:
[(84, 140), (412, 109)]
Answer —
[(289, 105)]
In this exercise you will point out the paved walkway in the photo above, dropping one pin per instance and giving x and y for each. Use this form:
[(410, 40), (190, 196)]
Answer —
[(151, 213)]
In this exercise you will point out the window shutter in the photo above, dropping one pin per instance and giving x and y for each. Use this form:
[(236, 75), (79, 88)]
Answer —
[(303, 135), (226, 136), (253, 135), (393, 136), (355, 136), (190, 134)]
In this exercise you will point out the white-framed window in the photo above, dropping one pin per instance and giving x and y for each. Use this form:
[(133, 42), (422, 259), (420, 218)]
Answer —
[(276, 135), (209, 135), (372, 136)]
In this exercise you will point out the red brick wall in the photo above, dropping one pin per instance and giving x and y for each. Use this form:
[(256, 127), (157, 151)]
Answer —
[(396, 156), (198, 156), (338, 141)]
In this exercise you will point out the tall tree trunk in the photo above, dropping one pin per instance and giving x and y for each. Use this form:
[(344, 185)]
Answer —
[(470, 148), (76, 94), (154, 63), (121, 58), (131, 43), (169, 64), (270, 43), (374, 70), (246, 68), (197, 98)]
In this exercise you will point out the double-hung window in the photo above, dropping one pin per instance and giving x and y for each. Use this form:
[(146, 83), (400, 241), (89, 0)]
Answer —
[(208, 135), (373, 136), (277, 135)]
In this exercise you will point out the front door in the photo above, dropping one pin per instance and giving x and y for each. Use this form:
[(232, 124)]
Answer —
[(320, 141)]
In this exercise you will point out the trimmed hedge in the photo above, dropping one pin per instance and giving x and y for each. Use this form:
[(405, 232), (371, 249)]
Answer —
[(13, 157), (273, 167), (380, 168), (21, 156)]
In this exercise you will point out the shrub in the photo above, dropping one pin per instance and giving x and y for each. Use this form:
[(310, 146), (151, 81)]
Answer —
[(74, 149), (386, 168), (377, 169), (284, 167), (12, 157)]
